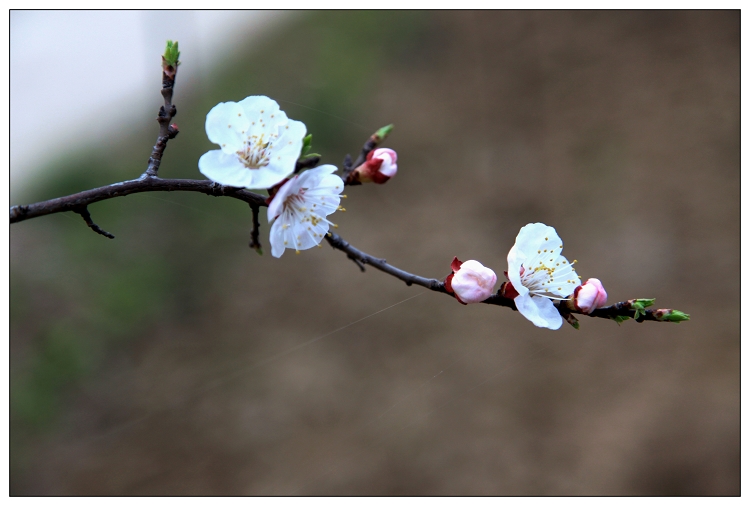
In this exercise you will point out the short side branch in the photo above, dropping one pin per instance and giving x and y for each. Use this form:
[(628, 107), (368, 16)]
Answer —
[(363, 258), (166, 113), (84, 212), (255, 233)]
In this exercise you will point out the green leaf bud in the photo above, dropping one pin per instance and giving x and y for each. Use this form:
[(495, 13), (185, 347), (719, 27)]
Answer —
[(382, 133), (306, 146), (671, 315), (172, 54)]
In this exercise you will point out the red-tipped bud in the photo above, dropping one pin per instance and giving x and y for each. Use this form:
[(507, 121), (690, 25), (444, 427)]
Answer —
[(378, 168)]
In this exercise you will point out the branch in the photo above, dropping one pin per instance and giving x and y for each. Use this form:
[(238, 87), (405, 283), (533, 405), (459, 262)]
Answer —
[(78, 202), (337, 242), (618, 312), (634, 308), (143, 184)]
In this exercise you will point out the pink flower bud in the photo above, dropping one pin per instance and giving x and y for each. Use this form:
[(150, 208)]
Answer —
[(589, 296), (470, 281), (379, 167)]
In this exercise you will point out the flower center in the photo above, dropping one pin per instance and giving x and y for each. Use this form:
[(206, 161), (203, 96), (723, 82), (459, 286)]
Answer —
[(540, 279), (256, 152), (297, 206), (535, 279)]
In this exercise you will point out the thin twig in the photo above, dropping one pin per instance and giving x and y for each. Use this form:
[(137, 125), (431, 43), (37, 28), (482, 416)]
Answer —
[(347, 164), (166, 113), (84, 212), (255, 233), (337, 242), (306, 163)]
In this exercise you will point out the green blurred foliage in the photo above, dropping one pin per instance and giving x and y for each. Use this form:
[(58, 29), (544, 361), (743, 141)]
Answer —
[(117, 288)]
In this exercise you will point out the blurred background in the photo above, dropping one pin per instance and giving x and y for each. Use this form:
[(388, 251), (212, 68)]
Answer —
[(175, 360)]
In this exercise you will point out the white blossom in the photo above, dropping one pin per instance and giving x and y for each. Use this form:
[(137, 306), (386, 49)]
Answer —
[(259, 144), (539, 273), (300, 208)]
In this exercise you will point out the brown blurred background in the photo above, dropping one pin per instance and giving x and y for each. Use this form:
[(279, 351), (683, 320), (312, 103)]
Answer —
[(164, 361)]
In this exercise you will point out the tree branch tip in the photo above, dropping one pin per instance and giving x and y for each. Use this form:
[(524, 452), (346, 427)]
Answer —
[(84, 213)]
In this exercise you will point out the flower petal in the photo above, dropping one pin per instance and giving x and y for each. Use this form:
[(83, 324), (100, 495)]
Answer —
[(530, 237), (276, 206), (322, 189), (256, 103), (565, 279), (539, 310), (389, 157), (324, 197), (224, 169), (259, 110), (264, 178), (285, 149), (516, 259), (276, 239), (226, 125)]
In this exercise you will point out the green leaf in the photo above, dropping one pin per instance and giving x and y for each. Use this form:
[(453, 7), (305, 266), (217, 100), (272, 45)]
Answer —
[(640, 306), (646, 302), (619, 319)]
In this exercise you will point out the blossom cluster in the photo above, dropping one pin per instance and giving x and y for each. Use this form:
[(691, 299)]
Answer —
[(537, 274), (259, 149)]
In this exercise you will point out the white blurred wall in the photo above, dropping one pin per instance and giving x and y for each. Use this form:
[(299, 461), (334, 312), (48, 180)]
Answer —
[(76, 75)]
